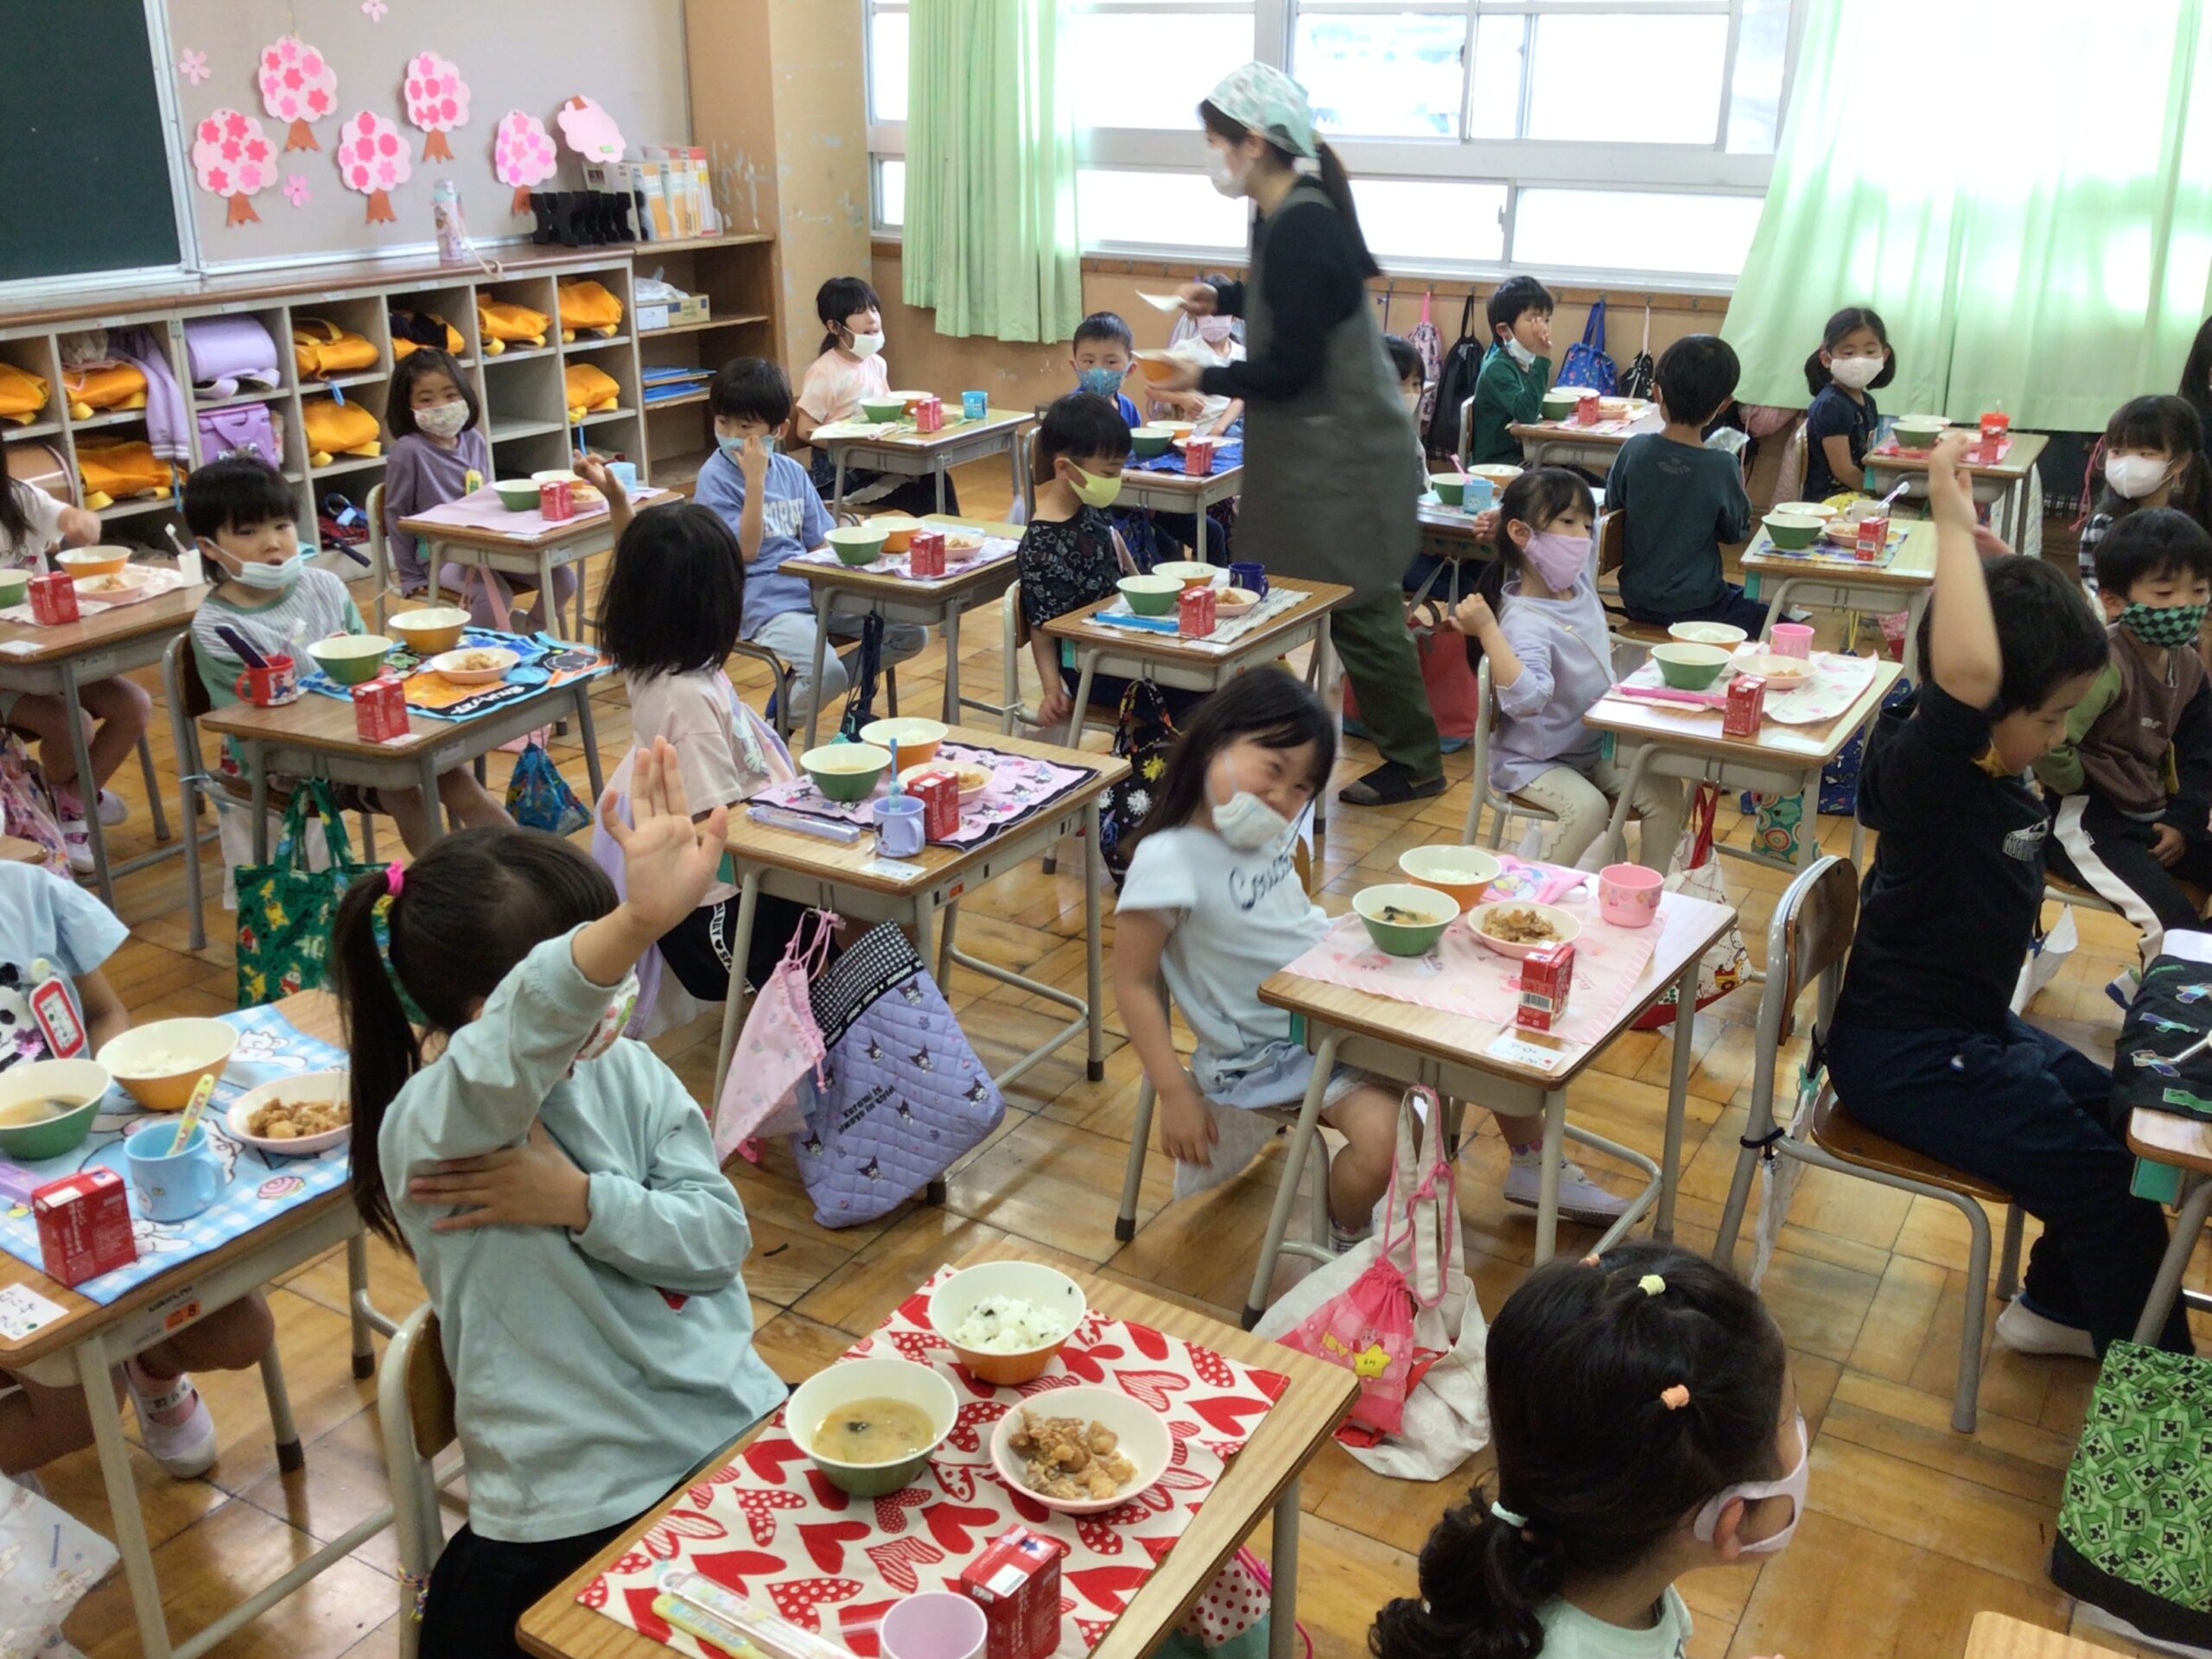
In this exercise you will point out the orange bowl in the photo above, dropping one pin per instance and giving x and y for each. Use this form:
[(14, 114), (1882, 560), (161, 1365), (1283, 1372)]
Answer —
[(978, 1288)]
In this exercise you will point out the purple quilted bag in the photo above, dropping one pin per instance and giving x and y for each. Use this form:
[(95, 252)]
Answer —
[(225, 354), (902, 1094), (240, 429)]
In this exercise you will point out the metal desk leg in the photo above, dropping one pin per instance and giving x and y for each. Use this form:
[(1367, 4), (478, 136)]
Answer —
[(936, 471), (1094, 972), (1200, 556), (733, 1005), (1282, 1600), (951, 621), (81, 755), (1778, 608), (1678, 1100), (153, 790), (2197, 1204), (590, 736), (357, 1301), (822, 598), (837, 490), (127, 1521), (257, 760), (1303, 1139), (1325, 657), (549, 614), (434, 817), (1087, 671), (1547, 1184)]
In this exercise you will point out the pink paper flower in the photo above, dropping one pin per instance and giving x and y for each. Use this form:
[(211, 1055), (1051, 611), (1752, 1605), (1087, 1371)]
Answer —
[(374, 10), (295, 190), (193, 65)]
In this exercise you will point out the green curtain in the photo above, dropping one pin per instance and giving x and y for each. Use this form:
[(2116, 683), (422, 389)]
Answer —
[(990, 233), (2028, 206)]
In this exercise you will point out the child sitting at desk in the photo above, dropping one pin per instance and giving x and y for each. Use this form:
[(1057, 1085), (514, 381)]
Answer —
[(851, 367), (1854, 359), (769, 502), (1510, 387), (241, 511), (52, 927), (1683, 500)]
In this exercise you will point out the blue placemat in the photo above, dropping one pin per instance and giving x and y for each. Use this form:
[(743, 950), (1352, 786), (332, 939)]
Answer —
[(542, 660), (1227, 455), (260, 1184)]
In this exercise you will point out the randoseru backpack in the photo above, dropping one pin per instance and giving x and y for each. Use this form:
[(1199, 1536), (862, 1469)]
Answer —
[(1455, 384)]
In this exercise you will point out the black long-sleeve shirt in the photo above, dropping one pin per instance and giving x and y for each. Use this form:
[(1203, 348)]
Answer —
[(1315, 278)]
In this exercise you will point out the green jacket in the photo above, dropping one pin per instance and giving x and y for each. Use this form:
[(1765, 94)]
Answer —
[(1505, 393)]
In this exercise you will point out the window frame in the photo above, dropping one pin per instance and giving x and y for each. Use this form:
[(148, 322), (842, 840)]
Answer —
[(1708, 169)]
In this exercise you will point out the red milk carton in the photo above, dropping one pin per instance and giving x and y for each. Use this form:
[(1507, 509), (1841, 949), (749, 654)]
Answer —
[(1995, 425), (1194, 613), (1586, 411), (557, 500), (1016, 1581), (1746, 706), (83, 1225), (53, 599), (381, 709), (929, 415), (1547, 976), (1873, 535), (1198, 457), (939, 794), (925, 553)]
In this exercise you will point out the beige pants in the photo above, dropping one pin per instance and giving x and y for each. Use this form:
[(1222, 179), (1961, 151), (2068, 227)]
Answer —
[(1583, 806)]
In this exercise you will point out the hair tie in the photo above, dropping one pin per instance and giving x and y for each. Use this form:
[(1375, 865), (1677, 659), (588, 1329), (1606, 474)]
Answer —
[(394, 877), (1651, 1284), (1508, 1516), (1674, 1396)]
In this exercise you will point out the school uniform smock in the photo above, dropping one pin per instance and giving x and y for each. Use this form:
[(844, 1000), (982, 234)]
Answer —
[(592, 1370)]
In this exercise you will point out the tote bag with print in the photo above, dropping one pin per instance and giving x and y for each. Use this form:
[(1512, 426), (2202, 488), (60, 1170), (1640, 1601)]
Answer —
[(285, 909)]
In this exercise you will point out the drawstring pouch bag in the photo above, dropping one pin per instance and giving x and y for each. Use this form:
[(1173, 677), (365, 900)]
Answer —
[(538, 796), (1697, 873), (780, 1048), (285, 909), (868, 664)]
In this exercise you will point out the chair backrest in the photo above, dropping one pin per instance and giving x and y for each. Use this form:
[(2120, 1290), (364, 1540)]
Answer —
[(180, 678), (1807, 941), (380, 551), (1789, 477), (1613, 543), (429, 1392), (1486, 718)]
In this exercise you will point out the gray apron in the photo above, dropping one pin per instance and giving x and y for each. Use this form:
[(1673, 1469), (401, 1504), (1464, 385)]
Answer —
[(1330, 475)]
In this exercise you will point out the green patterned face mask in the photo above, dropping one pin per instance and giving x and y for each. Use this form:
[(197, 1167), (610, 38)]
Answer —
[(2169, 625)]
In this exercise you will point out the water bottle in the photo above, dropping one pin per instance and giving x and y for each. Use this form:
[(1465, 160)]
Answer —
[(453, 235)]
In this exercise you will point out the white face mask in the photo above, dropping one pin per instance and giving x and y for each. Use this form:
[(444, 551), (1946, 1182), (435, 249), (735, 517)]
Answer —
[(1856, 373), (1248, 823), (865, 345), (2133, 477), (620, 1008), (1518, 352), (442, 419), (1791, 1486), (1411, 398), (1226, 176)]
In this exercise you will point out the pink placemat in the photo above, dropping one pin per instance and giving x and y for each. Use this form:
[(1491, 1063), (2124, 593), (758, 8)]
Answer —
[(994, 548), (158, 581), (1020, 786), (1978, 453), (769, 1527), (1460, 977), (481, 510)]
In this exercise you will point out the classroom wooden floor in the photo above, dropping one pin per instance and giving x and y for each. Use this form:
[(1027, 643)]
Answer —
[(1911, 1529)]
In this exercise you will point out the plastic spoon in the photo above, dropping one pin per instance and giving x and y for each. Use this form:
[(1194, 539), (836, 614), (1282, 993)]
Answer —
[(193, 1108)]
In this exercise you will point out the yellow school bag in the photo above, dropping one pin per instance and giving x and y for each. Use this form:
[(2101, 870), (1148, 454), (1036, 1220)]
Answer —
[(586, 307), (320, 347), (22, 394), (335, 429), (110, 385), (115, 469), (402, 346), (587, 388), (503, 323)]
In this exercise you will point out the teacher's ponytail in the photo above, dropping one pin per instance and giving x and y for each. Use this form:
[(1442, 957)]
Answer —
[(1338, 183)]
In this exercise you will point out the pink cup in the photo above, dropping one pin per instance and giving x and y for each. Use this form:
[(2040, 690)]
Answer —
[(936, 1625), (1628, 894), (1793, 639)]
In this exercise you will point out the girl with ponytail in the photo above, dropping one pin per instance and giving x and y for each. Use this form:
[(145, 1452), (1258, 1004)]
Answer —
[(1646, 1425), (555, 1183)]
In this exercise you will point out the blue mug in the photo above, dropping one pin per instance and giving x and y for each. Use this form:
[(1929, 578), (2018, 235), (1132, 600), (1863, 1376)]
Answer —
[(898, 831), (974, 405), (172, 1185), (1252, 578), (624, 473), (1476, 498)]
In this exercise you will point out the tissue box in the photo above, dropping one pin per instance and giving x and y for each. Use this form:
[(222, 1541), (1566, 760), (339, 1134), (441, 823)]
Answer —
[(83, 1225), (1016, 1581)]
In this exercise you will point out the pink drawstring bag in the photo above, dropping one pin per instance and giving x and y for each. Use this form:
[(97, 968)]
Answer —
[(780, 1046)]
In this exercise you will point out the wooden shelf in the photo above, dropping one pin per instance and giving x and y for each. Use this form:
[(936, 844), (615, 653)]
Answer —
[(658, 404), (273, 394), (108, 417), (146, 503), (680, 470), (518, 354), (594, 417), (36, 429), (674, 329), (593, 343), (500, 428), (349, 464), (359, 379)]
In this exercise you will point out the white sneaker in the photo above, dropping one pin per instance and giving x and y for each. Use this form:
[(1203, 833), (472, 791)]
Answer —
[(1581, 1198), (186, 1450), (77, 842), (1343, 1242), (2023, 1330), (113, 807)]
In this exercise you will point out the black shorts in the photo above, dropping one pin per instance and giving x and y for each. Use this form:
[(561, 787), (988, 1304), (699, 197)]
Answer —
[(697, 949), (481, 1588)]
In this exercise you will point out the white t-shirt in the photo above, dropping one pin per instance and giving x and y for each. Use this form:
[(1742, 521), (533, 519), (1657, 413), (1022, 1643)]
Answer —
[(835, 384), (46, 919), (1237, 918), (45, 514), (1570, 1633), (698, 713)]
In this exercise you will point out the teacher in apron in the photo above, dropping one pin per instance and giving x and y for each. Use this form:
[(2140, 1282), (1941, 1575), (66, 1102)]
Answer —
[(1332, 468)]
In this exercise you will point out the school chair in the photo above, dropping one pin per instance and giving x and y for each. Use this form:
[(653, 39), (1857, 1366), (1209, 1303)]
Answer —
[(1504, 808), (1789, 477), (187, 699), (415, 1404), (1612, 548), (1013, 644), (1806, 943), (381, 571)]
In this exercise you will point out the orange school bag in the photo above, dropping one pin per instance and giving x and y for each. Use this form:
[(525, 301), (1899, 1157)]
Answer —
[(22, 394), (587, 388), (114, 468), (336, 429), (320, 347), (586, 307), (503, 323)]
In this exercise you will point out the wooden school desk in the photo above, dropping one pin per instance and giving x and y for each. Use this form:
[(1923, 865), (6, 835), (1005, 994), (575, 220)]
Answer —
[(81, 1348), (1410, 1043), (1845, 585), (1671, 741), (840, 590), (535, 552), (1262, 1480), (860, 885), (60, 662), (2000, 1635), (1189, 665), (2183, 1145), (932, 455), (1563, 443), (315, 737), (2005, 480), (1448, 533), (1179, 493)]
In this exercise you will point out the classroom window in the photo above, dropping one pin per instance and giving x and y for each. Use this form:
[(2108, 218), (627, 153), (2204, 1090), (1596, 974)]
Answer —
[(1412, 219), (887, 60), (1668, 231), (1148, 208), (890, 194), (1400, 76), (1148, 65)]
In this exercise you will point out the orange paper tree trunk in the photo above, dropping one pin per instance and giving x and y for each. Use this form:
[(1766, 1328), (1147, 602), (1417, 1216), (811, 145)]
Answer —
[(240, 212), (435, 148), (380, 209), (521, 205), (300, 136)]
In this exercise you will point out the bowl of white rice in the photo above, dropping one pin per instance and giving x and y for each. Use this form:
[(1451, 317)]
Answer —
[(1006, 1319)]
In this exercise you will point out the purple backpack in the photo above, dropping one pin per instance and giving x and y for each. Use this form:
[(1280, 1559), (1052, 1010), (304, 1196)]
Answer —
[(902, 1095), (225, 353), (240, 429)]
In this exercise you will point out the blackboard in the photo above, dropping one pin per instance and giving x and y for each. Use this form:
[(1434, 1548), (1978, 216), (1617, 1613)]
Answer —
[(87, 183)]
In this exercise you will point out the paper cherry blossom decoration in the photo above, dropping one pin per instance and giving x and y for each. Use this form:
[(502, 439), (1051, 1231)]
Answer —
[(590, 130), (231, 157), (372, 159), (193, 65), (298, 86), (437, 101), (296, 189), (523, 155)]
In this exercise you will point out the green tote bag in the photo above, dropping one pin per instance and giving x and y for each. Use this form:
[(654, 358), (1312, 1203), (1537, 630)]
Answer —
[(285, 909)]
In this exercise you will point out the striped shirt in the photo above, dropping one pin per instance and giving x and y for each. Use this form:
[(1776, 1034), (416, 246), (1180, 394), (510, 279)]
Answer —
[(315, 607)]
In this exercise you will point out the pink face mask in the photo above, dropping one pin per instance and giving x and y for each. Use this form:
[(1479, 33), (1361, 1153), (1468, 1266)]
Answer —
[(1557, 561), (1214, 330), (1791, 1486)]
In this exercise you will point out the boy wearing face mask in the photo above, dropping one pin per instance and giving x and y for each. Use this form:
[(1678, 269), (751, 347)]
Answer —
[(1509, 388), (242, 513), (2154, 457), (1100, 354), (2131, 786), (772, 507)]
